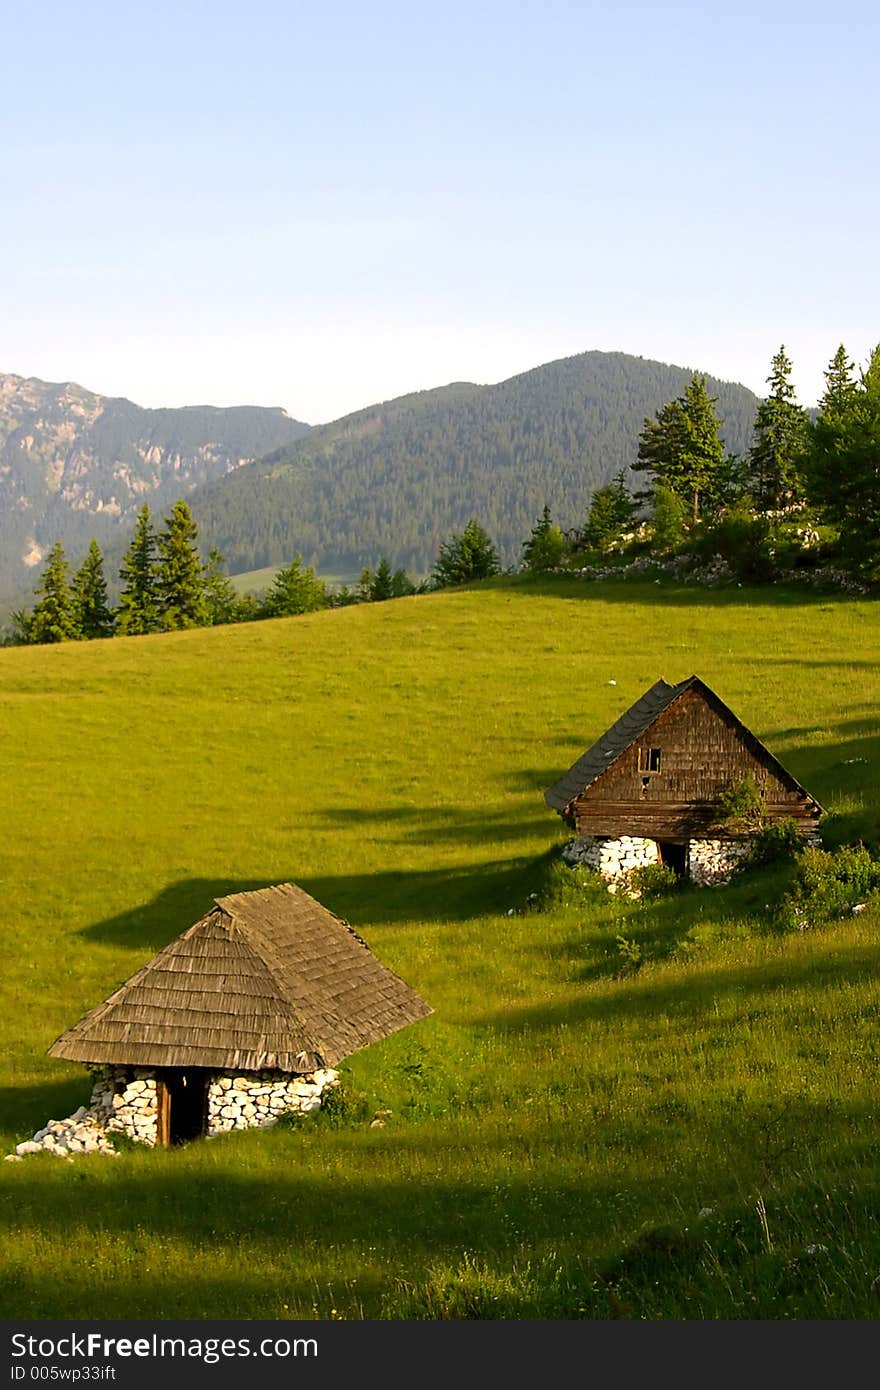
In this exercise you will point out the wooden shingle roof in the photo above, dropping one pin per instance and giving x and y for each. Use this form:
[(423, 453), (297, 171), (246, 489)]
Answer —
[(636, 722), (629, 727), (265, 980)]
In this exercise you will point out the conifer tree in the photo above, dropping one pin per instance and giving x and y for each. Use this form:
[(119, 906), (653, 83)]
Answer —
[(845, 463), (776, 458), (546, 547), (611, 513), (467, 555), (180, 573), (668, 517), (681, 447), (221, 599), (139, 603), (53, 619), (295, 590), (91, 611)]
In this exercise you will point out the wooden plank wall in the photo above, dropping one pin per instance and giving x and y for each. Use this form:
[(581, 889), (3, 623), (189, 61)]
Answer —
[(701, 753)]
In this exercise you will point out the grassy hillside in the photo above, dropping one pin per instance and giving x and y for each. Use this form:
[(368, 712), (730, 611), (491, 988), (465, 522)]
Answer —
[(398, 477), (569, 1136)]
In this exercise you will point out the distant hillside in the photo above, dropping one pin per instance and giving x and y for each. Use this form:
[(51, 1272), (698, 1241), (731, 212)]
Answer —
[(74, 465), (396, 478)]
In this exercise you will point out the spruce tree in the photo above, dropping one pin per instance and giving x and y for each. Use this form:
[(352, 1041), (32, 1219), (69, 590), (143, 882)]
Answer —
[(546, 547), (221, 599), (139, 603), (824, 470), (180, 573), (466, 556), (702, 456), (53, 618), (91, 610), (611, 514), (682, 449), (845, 462), (776, 458), (295, 590)]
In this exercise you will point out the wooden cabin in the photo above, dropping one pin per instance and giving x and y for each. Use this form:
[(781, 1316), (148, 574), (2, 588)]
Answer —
[(651, 789), (242, 1019)]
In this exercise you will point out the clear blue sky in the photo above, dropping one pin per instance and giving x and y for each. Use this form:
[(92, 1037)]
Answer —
[(321, 206)]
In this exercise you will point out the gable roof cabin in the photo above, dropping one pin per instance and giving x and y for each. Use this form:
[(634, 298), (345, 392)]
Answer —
[(265, 981), (660, 770)]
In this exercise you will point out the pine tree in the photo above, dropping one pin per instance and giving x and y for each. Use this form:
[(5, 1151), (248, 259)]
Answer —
[(681, 447), (53, 618), (776, 458), (828, 436), (221, 599), (91, 611), (180, 573), (612, 509), (383, 581), (546, 547), (465, 556), (844, 469), (668, 516), (295, 590), (702, 457), (139, 603)]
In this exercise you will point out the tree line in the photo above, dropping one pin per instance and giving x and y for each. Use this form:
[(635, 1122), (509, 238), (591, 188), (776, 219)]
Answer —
[(807, 481), (166, 586), (801, 471)]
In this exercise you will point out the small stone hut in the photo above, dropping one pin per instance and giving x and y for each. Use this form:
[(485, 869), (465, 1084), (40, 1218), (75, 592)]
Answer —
[(242, 1019), (651, 789)]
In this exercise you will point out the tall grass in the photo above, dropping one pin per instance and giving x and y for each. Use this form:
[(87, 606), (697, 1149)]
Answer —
[(661, 1110)]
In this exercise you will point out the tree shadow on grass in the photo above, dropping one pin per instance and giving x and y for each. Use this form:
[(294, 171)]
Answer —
[(391, 896), (697, 993), (497, 1202), (670, 592)]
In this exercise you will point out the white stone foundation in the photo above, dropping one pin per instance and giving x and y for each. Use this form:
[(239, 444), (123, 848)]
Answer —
[(124, 1102), (707, 861), (715, 861)]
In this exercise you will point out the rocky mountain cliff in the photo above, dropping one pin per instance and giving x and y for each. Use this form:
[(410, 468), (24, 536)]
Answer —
[(74, 464)]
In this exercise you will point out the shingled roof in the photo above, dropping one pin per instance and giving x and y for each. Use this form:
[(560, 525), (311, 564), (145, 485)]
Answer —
[(636, 722), (629, 727), (265, 980)]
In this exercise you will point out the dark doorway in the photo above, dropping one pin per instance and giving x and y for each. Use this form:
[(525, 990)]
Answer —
[(673, 856), (182, 1106)]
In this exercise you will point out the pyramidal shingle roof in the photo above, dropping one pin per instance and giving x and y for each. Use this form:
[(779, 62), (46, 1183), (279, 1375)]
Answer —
[(265, 980)]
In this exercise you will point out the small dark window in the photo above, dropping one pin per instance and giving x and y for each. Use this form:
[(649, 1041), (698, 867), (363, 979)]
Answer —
[(650, 760)]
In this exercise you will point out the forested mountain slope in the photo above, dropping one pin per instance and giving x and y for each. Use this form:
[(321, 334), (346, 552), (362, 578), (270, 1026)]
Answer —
[(76, 465), (397, 477)]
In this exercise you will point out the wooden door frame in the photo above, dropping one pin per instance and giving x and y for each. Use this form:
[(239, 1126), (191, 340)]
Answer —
[(163, 1114)]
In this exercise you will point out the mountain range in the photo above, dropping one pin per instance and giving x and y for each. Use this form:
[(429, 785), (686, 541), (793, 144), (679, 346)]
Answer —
[(74, 464), (395, 478)]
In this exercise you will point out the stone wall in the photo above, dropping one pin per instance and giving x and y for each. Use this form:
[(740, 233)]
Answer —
[(261, 1098), (613, 859), (708, 861), (123, 1101), (715, 861)]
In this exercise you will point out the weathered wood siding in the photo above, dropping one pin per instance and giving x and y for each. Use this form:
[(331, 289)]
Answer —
[(703, 749)]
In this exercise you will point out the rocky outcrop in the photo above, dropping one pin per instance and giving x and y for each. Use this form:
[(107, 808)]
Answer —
[(76, 465)]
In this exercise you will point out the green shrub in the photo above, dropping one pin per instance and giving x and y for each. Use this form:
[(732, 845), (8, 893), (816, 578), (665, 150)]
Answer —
[(774, 844), (828, 886), (741, 802), (744, 541), (654, 880)]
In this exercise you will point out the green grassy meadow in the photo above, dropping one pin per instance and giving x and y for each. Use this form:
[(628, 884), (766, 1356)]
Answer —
[(569, 1136)]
